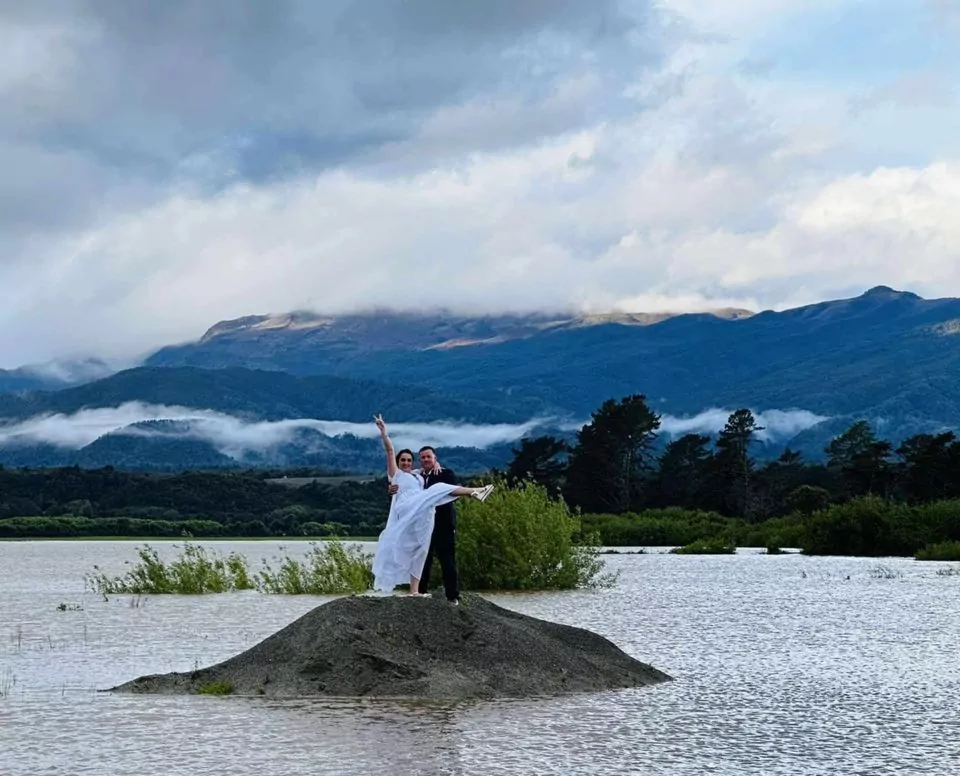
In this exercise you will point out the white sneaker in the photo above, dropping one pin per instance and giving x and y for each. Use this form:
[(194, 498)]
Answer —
[(482, 494)]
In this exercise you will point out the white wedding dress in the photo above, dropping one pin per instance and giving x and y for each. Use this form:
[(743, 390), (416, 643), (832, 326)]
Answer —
[(403, 545)]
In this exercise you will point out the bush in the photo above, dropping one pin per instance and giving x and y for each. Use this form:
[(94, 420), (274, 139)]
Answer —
[(807, 499), (937, 521), (522, 539), (941, 551), (330, 568), (658, 527), (777, 531), (195, 571), (862, 527), (706, 547)]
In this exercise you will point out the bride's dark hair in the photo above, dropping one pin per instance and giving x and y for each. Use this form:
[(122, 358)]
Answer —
[(405, 450)]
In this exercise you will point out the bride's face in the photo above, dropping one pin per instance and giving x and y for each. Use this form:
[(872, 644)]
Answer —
[(405, 462)]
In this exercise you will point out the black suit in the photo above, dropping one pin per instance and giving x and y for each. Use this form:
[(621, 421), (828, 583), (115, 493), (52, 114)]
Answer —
[(443, 542)]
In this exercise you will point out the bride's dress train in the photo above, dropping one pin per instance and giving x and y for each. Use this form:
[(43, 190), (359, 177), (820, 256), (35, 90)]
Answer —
[(403, 545)]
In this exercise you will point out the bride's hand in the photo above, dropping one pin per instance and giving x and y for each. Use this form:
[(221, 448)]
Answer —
[(381, 424)]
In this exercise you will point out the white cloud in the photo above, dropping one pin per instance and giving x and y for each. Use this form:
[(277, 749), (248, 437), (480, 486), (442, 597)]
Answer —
[(236, 437), (777, 425), (742, 19), (505, 232), (625, 182), (233, 436)]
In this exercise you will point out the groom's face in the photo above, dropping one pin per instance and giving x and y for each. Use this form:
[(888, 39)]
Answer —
[(428, 460)]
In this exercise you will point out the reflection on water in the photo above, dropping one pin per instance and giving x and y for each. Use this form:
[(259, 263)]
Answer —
[(783, 665)]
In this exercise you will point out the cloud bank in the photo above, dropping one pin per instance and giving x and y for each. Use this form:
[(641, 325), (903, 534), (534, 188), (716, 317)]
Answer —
[(236, 438), (170, 163), (777, 425)]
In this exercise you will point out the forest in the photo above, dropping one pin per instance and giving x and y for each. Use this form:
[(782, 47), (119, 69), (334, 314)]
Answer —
[(867, 496)]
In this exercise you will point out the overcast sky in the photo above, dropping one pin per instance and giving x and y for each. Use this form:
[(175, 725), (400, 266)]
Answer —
[(170, 163)]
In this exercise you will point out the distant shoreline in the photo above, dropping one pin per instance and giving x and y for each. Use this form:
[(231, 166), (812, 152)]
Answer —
[(173, 539)]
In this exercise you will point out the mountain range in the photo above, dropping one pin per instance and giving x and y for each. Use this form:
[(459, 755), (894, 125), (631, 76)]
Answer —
[(887, 356)]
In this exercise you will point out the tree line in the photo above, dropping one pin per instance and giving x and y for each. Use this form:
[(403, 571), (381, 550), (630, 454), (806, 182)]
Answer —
[(616, 466), (867, 497), (71, 501)]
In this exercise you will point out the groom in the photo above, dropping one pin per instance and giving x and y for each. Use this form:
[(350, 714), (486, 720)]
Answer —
[(444, 537)]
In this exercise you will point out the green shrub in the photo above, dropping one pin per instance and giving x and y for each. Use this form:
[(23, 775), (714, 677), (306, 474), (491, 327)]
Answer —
[(195, 571), (777, 531), (807, 499), (522, 539), (865, 527), (215, 688), (937, 521), (940, 551), (330, 568), (706, 547), (657, 527), (859, 527)]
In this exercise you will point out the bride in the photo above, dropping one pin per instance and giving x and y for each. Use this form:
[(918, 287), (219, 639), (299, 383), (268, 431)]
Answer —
[(403, 545)]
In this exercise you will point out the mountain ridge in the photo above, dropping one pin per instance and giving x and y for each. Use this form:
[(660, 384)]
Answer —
[(886, 356), (483, 328)]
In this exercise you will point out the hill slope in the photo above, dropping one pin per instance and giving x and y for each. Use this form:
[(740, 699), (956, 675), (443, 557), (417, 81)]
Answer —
[(257, 394), (884, 352), (887, 356)]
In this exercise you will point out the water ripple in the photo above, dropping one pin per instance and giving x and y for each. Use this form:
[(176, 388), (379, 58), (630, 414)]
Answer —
[(783, 665)]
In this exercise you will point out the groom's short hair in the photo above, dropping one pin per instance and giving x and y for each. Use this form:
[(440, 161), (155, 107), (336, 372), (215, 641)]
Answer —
[(426, 447)]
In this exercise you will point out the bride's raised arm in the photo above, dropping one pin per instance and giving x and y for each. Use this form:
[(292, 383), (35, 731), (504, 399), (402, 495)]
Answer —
[(387, 446)]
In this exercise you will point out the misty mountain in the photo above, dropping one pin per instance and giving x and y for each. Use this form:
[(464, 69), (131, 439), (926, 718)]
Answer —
[(299, 342), (886, 355), (53, 375)]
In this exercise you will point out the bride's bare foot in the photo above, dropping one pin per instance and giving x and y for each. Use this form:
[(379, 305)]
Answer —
[(415, 588)]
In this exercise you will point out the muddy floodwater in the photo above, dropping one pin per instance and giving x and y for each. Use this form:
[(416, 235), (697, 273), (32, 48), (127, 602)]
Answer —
[(782, 665)]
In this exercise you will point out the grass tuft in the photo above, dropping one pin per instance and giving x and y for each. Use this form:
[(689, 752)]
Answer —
[(215, 688), (330, 568), (194, 572)]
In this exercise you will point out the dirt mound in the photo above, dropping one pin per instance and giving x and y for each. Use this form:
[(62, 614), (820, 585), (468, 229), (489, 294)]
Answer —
[(404, 647)]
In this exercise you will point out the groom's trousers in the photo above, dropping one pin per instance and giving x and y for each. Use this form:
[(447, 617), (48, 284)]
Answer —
[(443, 544)]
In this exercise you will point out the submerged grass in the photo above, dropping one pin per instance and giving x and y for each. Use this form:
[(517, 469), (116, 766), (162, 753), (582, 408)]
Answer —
[(7, 682), (195, 571), (330, 568), (216, 688), (706, 547), (885, 572)]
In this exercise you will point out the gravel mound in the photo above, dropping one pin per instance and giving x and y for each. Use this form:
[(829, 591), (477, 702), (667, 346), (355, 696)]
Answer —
[(405, 647)]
